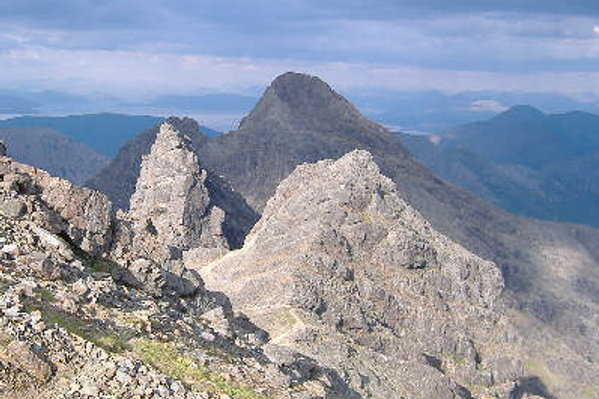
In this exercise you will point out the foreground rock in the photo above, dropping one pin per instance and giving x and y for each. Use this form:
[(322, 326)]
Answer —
[(79, 215), (357, 279)]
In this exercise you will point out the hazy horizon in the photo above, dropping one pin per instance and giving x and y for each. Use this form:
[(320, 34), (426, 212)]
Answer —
[(475, 56)]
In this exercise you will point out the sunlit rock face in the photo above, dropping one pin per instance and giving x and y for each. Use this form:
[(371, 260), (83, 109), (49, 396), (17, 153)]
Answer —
[(171, 210), (341, 267)]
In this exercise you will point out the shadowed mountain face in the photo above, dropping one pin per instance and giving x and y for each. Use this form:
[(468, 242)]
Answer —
[(301, 119), (298, 119), (49, 150), (544, 166)]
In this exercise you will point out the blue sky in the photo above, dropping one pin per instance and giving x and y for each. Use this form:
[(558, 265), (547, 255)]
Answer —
[(141, 49)]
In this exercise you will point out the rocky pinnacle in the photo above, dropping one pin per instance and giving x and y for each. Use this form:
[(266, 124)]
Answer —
[(171, 211)]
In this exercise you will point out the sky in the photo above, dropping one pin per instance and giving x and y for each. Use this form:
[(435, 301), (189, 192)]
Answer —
[(136, 49)]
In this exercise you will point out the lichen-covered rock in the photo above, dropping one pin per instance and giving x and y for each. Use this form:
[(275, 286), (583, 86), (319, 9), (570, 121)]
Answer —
[(13, 208), (22, 356)]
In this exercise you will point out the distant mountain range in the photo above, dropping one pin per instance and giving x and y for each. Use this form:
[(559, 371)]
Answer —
[(434, 111), (428, 111), (105, 132), (53, 152), (530, 163)]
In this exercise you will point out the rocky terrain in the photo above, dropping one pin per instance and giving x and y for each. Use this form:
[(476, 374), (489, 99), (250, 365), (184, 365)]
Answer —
[(340, 267), (54, 152), (171, 210), (351, 284), (80, 318)]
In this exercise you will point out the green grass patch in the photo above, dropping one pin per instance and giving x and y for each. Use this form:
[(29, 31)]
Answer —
[(459, 360), (110, 342), (45, 294), (589, 392), (537, 368), (5, 340), (101, 266), (168, 359)]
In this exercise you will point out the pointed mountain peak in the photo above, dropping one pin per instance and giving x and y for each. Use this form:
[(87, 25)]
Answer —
[(300, 89), (297, 101), (520, 113), (169, 136)]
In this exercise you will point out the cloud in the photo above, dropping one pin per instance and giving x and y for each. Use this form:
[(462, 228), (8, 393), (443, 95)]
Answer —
[(487, 105), (483, 41), (136, 14), (152, 47), (136, 74)]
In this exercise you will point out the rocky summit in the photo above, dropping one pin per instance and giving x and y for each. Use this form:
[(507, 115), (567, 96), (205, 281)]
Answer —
[(340, 267), (119, 179)]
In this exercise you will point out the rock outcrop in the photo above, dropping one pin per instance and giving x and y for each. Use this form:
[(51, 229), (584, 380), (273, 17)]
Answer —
[(171, 210), (358, 279), (119, 178), (81, 216), (341, 268)]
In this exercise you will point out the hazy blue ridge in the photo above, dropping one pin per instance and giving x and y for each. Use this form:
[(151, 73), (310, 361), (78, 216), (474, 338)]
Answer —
[(527, 162), (104, 132)]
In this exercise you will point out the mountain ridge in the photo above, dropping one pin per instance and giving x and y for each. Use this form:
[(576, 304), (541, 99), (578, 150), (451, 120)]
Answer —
[(341, 282), (542, 166), (549, 269), (54, 152)]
